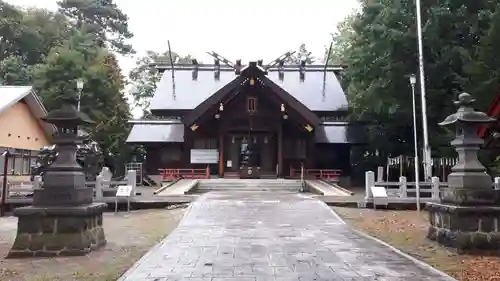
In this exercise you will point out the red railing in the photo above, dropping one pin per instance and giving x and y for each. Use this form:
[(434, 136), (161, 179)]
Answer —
[(173, 174), (322, 174)]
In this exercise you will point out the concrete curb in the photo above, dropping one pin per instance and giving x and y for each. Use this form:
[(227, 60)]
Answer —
[(405, 255), (152, 249), (343, 189), (394, 249), (334, 213)]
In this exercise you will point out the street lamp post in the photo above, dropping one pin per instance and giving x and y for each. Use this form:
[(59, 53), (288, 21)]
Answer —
[(427, 148), (413, 81), (79, 86)]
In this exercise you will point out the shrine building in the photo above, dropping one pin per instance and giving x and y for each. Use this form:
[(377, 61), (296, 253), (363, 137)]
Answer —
[(247, 121)]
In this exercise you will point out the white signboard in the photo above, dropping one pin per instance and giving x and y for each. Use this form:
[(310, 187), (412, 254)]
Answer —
[(204, 156), (124, 191), (379, 191), (229, 163), (379, 196)]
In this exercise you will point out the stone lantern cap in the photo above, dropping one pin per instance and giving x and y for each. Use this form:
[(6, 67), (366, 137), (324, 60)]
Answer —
[(466, 113), (67, 117)]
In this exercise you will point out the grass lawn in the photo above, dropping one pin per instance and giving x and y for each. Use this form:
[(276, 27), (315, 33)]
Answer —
[(129, 236)]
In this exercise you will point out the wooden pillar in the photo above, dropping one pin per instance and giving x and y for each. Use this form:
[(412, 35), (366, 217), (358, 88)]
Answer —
[(221, 154), (280, 151), (310, 162), (188, 144)]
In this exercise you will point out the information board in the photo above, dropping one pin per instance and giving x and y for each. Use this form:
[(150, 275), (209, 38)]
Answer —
[(124, 191), (204, 156), (379, 191)]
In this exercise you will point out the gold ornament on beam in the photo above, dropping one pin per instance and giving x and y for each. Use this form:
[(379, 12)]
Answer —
[(194, 127), (221, 107), (251, 82), (308, 127), (282, 107)]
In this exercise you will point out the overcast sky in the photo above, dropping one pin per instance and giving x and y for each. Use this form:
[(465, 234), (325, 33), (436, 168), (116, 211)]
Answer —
[(250, 30), (247, 30)]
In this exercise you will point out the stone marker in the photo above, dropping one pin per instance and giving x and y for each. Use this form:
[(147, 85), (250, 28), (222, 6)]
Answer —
[(468, 217), (63, 220)]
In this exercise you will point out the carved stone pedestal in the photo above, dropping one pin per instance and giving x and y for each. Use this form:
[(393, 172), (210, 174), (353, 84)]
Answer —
[(468, 229), (58, 231)]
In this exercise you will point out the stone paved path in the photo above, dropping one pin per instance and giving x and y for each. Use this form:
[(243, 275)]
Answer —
[(270, 236)]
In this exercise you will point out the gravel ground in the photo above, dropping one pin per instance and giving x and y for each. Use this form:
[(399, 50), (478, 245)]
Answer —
[(406, 230), (129, 236)]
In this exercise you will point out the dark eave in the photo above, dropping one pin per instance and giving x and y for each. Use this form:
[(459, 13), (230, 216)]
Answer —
[(493, 111), (316, 87), (291, 101), (252, 71), (340, 133), (155, 131), (212, 67), (213, 99)]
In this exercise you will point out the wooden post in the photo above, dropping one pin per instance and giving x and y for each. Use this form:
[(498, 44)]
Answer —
[(4, 186), (280, 151), (403, 191), (221, 155), (400, 165), (380, 173)]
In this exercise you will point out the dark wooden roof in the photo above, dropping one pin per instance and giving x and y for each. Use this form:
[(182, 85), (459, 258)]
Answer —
[(493, 111), (168, 131), (340, 133), (154, 131), (319, 91), (255, 72)]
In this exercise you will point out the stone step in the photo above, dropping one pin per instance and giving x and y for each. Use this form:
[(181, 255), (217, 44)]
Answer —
[(249, 185), (248, 189)]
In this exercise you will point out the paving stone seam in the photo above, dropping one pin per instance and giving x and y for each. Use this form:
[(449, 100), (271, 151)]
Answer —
[(152, 250), (394, 249), (405, 255), (334, 213)]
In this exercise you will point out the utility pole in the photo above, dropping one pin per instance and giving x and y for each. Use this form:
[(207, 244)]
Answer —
[(427, 149)]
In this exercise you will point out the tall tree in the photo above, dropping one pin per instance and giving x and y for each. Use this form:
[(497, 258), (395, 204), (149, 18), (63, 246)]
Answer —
[(102, 18), (302, 54), (50, 52), (30, 34), (378, 43), (144, 77), (13, 71), (104, 101)]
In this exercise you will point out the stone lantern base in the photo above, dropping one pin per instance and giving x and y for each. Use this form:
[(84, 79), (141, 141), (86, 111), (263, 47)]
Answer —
[(468, 229), (58, 231)]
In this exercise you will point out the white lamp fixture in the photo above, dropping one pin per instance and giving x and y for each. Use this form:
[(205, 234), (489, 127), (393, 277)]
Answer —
[(413, 79), (79, 84)]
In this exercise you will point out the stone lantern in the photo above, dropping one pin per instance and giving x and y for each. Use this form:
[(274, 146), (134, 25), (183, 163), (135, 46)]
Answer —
[(62, 220), (468, 216)]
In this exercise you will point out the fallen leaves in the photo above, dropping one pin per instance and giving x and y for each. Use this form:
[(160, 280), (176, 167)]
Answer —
[(407, 230)]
